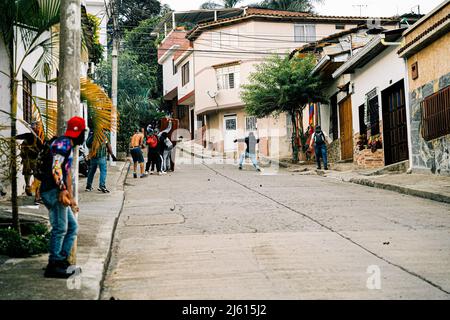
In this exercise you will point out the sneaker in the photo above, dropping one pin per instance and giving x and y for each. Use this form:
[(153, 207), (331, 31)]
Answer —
[(162, 173), (143, 175), (146, 172), (326, 168), (135, 175), (89, 189), (103, 189), (240, 167), (258, 169), (58, 270)]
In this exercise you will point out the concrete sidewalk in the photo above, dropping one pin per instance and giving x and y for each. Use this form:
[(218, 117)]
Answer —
[(23, 278), (430, 187)]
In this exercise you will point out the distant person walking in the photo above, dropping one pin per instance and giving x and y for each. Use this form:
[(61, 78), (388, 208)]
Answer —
[(99, 159), (319, 141), (250, 151), (136, 144)]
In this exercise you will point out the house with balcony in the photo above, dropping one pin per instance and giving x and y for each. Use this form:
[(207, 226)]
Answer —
[(227, 51)]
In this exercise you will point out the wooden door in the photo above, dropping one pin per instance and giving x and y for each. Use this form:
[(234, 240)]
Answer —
[(346, 126), (395, 131)]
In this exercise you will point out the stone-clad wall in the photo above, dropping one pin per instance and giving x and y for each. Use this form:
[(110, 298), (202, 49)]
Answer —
[(334, 151), (434, 155)]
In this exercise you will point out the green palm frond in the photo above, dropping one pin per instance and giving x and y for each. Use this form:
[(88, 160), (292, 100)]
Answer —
[(104, 115)]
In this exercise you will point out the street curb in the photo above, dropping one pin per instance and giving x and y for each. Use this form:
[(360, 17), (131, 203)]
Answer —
[(281, 164), (403, 190), (121, 181)]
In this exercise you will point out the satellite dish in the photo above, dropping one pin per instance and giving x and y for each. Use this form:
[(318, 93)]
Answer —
[(212, 94)]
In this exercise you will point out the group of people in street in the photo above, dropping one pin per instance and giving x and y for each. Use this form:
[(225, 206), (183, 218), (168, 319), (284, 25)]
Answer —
[(159, 151), (51, 162)]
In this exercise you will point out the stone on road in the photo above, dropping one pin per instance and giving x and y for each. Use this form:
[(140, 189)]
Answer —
[(213, 232)]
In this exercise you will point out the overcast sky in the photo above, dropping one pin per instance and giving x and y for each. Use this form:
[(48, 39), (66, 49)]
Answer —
[(374, 8)]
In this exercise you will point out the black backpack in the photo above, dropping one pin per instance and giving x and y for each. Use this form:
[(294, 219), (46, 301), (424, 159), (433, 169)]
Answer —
[(44, 161), (319, 138)]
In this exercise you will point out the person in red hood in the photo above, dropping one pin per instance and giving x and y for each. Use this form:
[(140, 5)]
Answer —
[(58, 197)]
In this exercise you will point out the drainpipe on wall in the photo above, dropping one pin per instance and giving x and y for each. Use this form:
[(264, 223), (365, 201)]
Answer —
[(408, 116)]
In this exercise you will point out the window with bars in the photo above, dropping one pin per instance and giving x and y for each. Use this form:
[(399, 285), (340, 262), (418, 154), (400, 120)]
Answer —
[(185, 74), (228, 77), (250, 123), (27, 99), (436, 115), (304, 32)]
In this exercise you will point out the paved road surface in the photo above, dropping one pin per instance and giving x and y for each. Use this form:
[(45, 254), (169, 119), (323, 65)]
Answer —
[(214, 232)]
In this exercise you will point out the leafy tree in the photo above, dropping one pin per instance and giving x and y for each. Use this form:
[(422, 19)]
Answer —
[(224, 4), (91, 27), (132, 12), (282, 85), (289, 5), (139, 83)]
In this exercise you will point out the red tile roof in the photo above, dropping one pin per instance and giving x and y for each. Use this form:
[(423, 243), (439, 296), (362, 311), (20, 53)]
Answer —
[(255, 13)]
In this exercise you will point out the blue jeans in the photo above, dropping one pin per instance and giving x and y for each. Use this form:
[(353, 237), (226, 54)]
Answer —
[(64, 226), (321, 151), (101, 163), (252, 157)]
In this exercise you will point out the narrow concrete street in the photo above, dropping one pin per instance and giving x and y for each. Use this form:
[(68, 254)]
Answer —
[(214, 232)]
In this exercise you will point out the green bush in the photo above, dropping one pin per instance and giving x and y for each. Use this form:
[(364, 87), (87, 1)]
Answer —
[(13, 245)]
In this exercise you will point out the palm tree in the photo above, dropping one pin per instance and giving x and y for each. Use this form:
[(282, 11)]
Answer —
[(224, 4), (24, 22), (289, 5)]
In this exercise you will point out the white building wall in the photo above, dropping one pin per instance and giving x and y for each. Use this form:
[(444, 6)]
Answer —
[(38, 90), (190, 86), (383, 71), (170, 80)]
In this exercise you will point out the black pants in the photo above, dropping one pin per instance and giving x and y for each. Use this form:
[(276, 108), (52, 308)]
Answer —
[(152, 159)]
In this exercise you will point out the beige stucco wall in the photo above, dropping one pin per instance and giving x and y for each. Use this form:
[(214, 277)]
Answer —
[(437, 16), (433, 62)]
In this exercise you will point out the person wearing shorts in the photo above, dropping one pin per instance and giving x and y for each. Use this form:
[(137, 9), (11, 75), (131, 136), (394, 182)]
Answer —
[(136, 143)]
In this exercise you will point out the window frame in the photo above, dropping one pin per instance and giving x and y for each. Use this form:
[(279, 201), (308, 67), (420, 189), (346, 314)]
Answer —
[(306, 37), (435, 118), (224, 79), (185, 74), (253, 121), (27, 98)]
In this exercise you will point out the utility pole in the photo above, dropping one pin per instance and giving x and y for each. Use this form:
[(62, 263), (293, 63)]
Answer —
[(69, 78), (114, 76)]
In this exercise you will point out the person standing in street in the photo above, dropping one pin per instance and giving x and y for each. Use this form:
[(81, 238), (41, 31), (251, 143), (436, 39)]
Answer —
[(319, 141), (136, 144), (58, 196), (99, 159), (250, 151)]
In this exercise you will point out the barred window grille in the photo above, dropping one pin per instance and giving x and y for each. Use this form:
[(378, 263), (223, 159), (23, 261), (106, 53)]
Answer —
[(436, 115), (250, 123)]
